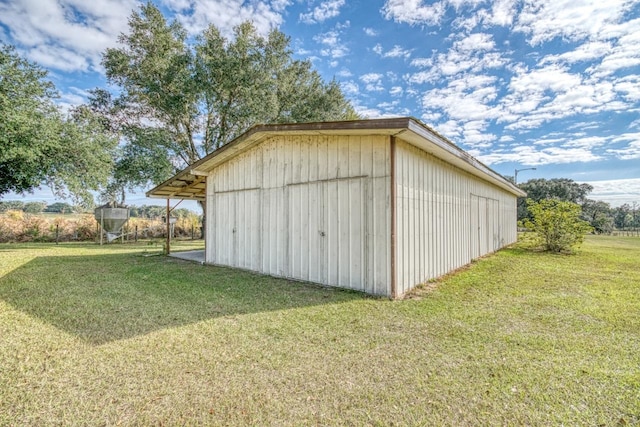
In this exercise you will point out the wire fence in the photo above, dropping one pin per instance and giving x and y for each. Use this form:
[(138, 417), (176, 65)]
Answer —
[(629, 233)]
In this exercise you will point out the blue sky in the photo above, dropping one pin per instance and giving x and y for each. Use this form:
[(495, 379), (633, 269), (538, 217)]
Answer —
[(550, 84)]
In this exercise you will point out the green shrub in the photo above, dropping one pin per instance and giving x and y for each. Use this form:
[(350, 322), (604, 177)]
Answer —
[(556, 224)]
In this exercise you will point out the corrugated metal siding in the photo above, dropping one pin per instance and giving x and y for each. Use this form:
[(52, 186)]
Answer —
[(444, 217), (313, 208)]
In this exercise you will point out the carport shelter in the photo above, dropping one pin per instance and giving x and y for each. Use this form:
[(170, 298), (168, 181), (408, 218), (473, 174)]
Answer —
[(378, 206)]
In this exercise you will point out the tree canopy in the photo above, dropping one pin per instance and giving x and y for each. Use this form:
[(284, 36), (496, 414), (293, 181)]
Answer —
[(181, 98), (557, 188), (38, 144), (562, 189)]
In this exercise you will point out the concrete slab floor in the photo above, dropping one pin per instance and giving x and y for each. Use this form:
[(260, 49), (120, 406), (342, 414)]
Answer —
[(194, 256)]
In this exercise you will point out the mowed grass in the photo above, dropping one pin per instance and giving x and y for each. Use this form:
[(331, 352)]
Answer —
[(94, 335)]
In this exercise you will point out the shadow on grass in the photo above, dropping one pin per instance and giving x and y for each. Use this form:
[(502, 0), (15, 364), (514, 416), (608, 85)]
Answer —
[(104, 298)]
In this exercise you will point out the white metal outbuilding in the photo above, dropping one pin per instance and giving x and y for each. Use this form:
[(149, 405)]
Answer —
[(378, 206)]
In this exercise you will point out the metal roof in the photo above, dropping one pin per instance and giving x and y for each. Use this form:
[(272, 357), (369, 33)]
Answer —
[(190, 182)]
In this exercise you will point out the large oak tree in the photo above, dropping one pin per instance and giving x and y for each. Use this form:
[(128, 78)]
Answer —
[(39, 144), (179, 98)]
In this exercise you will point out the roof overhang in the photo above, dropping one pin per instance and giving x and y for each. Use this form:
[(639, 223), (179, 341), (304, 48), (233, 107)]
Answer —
[(183, 185), (190, 182)]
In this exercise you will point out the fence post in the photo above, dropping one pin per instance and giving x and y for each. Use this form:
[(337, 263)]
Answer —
[(135, 236), (57, 232)]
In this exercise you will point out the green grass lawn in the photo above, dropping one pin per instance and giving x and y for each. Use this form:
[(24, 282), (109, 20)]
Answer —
[(93, 335)]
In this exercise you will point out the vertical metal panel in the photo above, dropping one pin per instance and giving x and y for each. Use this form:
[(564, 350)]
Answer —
[(474, 227), (453, 215), (394, 215), (483, 222)]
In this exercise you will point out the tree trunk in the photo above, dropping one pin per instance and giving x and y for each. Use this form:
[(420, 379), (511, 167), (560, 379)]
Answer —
[(203, 205)]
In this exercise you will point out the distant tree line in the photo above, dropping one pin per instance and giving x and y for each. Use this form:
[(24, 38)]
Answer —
[(29, 207), (144, 211), (600, 215)]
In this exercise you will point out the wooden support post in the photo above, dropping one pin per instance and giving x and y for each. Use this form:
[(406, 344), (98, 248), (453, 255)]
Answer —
[(168, 227)]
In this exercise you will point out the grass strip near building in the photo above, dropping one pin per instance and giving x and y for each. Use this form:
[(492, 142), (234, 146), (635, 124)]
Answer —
[(94, 335)]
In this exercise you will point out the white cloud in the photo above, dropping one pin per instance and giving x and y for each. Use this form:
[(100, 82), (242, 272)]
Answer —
[(584, 126), (502, 13), (326, 10), (372, 113), (631, 151), (474, 134), (589, 142), (69, 35), (432, 118), (586, 52), (466, 98), (395, 52), (370, 32), (450, 128), (551, 93), (74, 97), (392, 76), (371, 77), (474, 53), (396, 91), (474, 42), (334, 47), (373, 82), (350, 88), (420, 12), (531, 156), (422, 62), (344, 73), (551, 78), (529, 89), (548, 141), (413, 11), (196, 15), (468, 22), (566, 149), (624, 54), (544, 20), (628, 87), (616, 192), (389, 105), (61, 58)]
